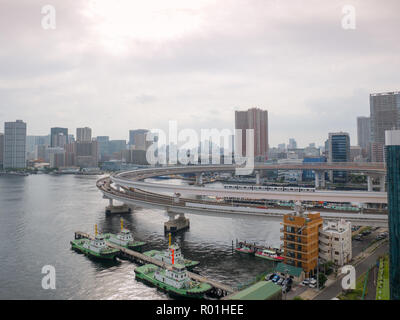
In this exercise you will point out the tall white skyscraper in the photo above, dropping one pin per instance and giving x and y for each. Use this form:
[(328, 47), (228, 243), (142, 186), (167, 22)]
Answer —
[(14, 145)]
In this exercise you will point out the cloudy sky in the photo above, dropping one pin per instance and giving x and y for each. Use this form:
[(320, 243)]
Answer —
[(126, 64)]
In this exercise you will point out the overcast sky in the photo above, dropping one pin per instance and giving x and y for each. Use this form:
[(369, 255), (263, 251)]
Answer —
[(128, 64)]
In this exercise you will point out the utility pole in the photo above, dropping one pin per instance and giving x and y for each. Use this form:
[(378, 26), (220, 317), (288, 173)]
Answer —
[(318, 274)]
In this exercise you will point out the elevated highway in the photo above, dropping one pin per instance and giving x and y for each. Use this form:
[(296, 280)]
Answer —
[(128, 188), (134, 179)]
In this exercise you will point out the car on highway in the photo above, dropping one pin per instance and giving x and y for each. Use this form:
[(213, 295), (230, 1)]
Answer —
[(275, 278), (280, 281)]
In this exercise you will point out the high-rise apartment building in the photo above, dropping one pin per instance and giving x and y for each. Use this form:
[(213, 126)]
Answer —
[(393, 191), (14, 145), (257, 120), (300, 240), (385, 115), (339, 151), (84, 134), (58, 137)]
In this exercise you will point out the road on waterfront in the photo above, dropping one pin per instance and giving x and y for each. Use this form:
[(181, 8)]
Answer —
[(336, 288)]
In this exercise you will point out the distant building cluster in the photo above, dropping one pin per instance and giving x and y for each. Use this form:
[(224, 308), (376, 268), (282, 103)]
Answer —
[(61, 149)]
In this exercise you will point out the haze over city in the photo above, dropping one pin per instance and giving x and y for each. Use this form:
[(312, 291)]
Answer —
[(120, 65)]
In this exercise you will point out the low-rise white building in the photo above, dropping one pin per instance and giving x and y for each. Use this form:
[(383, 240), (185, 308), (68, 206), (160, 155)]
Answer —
[(335, 242)]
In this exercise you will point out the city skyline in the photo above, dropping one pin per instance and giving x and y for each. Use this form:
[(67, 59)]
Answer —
[(310, 84)]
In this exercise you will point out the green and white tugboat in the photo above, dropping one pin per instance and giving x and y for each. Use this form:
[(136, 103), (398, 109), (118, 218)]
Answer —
[(174, 281), (173, 253), (124, 239), (96, 248)]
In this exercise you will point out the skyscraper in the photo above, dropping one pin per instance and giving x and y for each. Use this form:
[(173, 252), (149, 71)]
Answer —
[(1, 149), (58, 137), (14, 145), (137, 139), (393, 191), (363, 132), (83, 134), (257, 120), (292, 144), (339, 151), (385, 115)]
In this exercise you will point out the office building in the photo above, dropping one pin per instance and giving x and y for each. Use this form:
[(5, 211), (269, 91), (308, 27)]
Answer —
[(58, 137), (393, 191), (103, 143), (14, 155), (83, 134), (335, 242), (339, 151), (309, 175), (86, 154), (116, 146), (385, 115), (137, 139), (300, 240), (257, 120)]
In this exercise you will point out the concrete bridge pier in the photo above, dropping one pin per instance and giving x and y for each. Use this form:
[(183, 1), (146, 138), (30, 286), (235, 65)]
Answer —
[(317, 178), (199, 178), (111, 208), (258, 178), (369, 182), (323, 182), (382, 180), (176, 224)]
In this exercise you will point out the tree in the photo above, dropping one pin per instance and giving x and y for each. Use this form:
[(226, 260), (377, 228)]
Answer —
[(322, 279)]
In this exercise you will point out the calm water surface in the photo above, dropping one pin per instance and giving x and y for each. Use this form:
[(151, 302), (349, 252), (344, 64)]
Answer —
[(38, 217)]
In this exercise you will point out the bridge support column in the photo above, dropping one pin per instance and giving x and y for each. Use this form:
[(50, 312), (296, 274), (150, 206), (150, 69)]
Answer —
[(317, 177), (258, 178), (382, 180), (369, 181), (323, 182), (117, 209), (174, 225), (199, 179)]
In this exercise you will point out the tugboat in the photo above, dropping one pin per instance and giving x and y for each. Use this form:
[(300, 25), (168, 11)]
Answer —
[(242, 247), (174, 281), (173, 253), (270, 254), (96, 248), (124, 239)]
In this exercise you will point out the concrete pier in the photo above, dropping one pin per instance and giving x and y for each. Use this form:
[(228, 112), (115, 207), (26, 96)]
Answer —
[(118, 209), (174, 225)]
